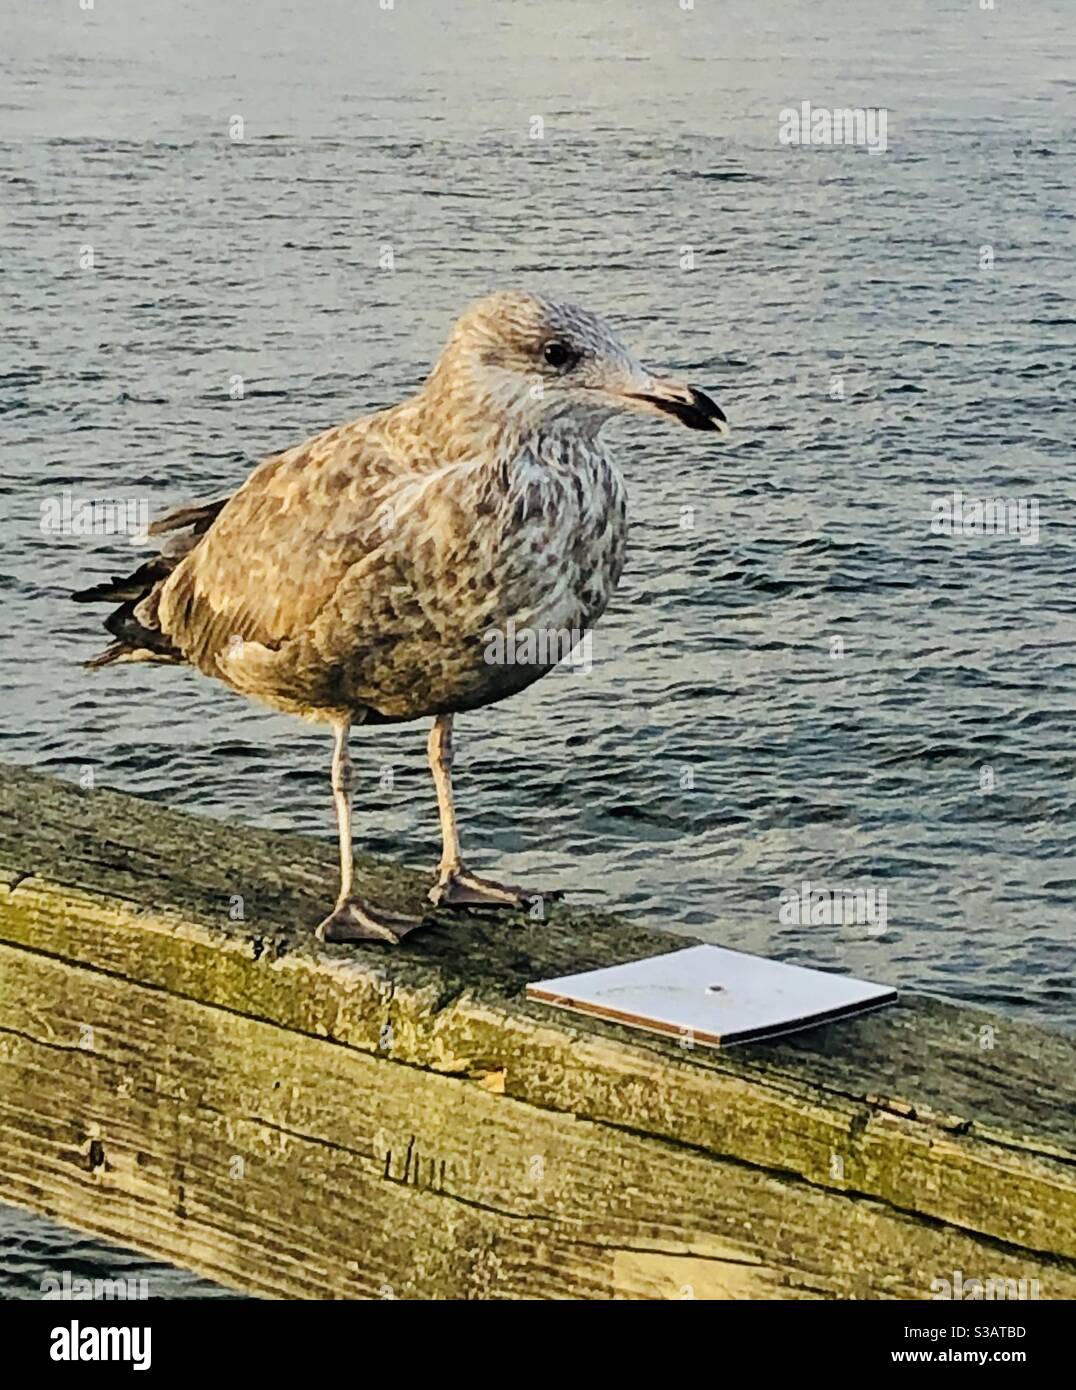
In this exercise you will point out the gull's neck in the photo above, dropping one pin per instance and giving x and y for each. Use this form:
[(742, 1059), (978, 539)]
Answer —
[(457, 426)]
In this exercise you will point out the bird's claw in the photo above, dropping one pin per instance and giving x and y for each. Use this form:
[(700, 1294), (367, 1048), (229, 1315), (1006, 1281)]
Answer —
[(354, 919), (464, 889)]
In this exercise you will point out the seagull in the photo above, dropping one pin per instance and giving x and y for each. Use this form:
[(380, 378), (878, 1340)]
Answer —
[(360, 577)]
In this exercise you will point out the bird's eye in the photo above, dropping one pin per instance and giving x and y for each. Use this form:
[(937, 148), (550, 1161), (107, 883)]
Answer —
[(559, 354)]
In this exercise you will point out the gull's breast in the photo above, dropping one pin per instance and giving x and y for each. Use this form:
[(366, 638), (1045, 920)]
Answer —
[(512, 571)]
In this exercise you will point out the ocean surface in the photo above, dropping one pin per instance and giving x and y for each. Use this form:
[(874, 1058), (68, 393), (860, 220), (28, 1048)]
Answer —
[(226, 227)]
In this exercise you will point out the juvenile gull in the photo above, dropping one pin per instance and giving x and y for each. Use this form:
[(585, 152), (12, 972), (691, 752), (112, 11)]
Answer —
[(356, 578)]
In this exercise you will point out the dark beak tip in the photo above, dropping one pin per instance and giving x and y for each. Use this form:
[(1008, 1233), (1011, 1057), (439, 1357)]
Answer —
[(698, 413), (711, 412)]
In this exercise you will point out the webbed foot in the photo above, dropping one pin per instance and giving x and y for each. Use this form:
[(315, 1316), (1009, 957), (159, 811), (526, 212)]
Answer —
[(355, 919), (464, 889)]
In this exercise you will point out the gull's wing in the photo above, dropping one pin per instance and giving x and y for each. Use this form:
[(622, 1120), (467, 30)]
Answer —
[(280, 546), (337, 570), (417, 587)]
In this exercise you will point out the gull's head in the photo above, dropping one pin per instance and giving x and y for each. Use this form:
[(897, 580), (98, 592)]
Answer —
[(534, 365)]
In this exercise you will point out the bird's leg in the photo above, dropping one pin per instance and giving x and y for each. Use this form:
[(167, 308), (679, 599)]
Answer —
[(456, 886), (353, 918)]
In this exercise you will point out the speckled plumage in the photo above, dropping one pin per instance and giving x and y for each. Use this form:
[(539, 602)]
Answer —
[(355, 573), (357, 577)]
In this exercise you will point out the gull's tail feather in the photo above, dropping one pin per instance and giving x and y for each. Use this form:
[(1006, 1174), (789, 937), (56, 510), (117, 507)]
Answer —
[(134, 622), (132, 586), (199, 517), (120, 651)]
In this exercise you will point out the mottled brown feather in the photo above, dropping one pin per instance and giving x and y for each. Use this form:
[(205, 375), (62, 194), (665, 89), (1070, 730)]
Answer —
[(362, 572)]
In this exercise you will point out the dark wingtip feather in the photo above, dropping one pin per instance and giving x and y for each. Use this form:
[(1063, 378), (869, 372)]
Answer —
[(134, 622), (199, 516), (124, 587), (105, 658), (97, 593)]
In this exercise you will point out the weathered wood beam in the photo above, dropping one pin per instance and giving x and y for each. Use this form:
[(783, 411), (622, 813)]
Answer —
[(304, 1120)]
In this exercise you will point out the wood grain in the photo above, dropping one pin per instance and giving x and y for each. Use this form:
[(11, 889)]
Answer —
[(304, 1120)]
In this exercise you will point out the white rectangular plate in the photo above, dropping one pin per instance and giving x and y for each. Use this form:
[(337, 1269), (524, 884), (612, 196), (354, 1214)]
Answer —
[(707, 994)]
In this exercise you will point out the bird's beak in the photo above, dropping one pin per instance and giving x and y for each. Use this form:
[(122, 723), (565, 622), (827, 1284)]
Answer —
[(663, 396)]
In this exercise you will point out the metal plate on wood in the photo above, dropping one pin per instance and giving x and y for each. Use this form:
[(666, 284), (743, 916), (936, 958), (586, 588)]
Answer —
[(713, 996)]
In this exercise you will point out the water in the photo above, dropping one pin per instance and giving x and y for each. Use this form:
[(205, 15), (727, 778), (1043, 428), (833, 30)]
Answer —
[(815, 271)]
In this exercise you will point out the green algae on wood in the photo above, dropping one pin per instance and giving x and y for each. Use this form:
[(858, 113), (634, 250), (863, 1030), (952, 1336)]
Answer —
[(303, 1120)]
